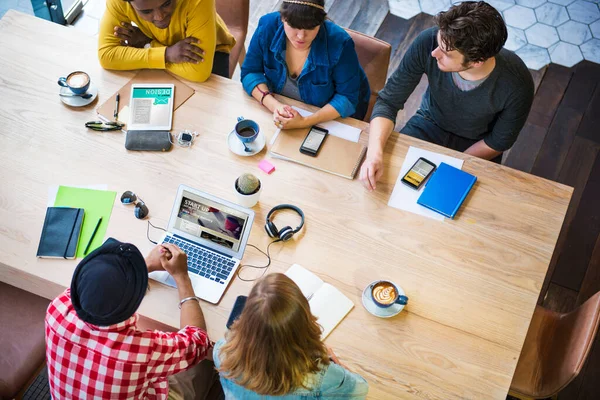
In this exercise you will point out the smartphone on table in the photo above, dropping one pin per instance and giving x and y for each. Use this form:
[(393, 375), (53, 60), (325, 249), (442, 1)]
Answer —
[(418, 173), (237, 309), (313, 141)]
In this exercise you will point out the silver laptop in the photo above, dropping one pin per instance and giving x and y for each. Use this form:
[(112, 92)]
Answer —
[(213, 233)]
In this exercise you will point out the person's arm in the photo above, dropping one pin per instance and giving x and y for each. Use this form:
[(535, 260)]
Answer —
[(201, 25), (113, 55), (371, 171), (351, 385), (508, 125), (390, 100), (482, 150), (252, 73), (173, 352), (176, 266), (346, 81)]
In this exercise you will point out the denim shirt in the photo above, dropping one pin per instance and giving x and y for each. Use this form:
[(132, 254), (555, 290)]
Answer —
[(331, 74), (332, 382)]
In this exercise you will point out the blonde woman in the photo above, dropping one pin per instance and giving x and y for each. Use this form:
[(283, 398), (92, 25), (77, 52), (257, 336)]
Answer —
[(274, 350)]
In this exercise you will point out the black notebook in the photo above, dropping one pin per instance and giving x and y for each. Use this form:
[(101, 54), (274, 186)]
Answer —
[(60, 233)]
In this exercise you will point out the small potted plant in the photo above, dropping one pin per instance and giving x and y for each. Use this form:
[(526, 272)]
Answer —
[(247, 187)]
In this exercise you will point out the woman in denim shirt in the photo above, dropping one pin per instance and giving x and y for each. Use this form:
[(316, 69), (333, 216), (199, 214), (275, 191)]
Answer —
[(274, 350), (296, 53)]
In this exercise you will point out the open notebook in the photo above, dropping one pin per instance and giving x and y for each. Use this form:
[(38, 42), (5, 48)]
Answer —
[(327, 303)]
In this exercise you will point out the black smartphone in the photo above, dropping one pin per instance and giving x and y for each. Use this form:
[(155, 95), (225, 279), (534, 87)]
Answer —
[(418, 173), (238, 306), (313, 141)]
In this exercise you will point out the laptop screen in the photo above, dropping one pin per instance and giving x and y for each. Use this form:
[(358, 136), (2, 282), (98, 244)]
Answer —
[(209, 220)]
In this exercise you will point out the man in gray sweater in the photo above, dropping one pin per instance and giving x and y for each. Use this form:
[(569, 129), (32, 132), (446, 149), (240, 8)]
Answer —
[(479, 94)]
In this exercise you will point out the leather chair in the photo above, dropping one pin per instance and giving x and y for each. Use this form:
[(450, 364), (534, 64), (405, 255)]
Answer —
[(22, 343), (235, 14), (555, 350), (374, 57)]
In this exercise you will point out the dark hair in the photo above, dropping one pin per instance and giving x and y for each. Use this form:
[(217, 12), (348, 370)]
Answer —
[(475, 29), (303, 16)]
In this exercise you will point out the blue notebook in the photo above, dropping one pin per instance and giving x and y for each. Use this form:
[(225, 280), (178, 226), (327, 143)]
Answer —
[(446, 190)]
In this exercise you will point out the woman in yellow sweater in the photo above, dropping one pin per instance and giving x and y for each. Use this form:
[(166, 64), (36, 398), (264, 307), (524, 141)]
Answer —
[(185, 37)]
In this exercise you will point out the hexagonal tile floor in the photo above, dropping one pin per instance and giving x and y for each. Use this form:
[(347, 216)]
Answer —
[(539, 31)]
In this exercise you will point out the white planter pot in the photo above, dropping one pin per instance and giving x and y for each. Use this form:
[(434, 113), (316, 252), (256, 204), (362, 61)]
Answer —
[(248, 201)]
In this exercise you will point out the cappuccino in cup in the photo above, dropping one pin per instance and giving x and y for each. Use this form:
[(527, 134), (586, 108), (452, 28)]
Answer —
[(78, 82), (78, 79), (386, 293)]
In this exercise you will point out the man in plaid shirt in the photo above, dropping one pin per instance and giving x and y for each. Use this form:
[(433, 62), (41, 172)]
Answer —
[(93, 347)]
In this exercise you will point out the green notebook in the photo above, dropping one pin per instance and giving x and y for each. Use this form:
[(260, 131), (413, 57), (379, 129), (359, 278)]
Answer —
[(96, 203)]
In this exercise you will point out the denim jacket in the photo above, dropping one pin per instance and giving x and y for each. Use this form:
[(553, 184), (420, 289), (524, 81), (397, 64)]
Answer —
[(332, 382), (331, 73)]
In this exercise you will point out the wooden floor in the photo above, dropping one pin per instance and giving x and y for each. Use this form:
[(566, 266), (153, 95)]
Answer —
[(561, 142)]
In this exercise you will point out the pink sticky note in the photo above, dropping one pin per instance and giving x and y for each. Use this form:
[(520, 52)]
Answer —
[(266, 166)]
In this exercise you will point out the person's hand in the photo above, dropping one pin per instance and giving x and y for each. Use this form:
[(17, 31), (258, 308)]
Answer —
[(371, 171), (153, 260), (185, 51), (293, 119), (281, 111), (131, 35), (333, 357), (176, 265)]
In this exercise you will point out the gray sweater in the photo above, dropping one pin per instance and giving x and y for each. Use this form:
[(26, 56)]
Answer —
[(495, 111)]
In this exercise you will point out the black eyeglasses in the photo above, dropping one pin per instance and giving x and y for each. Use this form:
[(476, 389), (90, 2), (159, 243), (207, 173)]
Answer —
[(140, 211), (104, 126)]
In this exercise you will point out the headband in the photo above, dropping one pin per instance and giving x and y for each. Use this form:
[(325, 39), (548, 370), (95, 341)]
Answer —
[(304, 3)]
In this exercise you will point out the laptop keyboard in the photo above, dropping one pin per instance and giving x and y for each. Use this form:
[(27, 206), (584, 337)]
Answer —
[(203, 262)]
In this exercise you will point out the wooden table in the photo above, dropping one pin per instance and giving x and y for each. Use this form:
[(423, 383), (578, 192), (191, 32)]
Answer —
[(473, 282)]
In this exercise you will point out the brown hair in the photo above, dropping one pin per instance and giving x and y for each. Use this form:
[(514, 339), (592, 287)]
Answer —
[(303, 16), (475, 29), (276, 342)]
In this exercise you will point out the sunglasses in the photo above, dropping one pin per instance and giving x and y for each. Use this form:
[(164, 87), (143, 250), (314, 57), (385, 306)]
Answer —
[(104, 126), (140, 211)]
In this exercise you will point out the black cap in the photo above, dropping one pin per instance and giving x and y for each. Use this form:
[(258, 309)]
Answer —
[(109, 284)]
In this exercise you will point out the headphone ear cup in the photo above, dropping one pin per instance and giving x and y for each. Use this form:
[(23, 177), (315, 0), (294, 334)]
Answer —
[(286, 233), (271, 229)]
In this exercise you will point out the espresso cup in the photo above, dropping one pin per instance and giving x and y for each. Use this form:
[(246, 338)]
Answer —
[(246, 130), (386, 293), (78, 82)]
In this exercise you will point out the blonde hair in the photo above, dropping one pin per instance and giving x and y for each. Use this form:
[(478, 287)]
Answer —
[(276, 342)]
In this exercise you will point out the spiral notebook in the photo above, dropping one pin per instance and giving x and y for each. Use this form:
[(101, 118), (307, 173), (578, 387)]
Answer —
[(336, 156)]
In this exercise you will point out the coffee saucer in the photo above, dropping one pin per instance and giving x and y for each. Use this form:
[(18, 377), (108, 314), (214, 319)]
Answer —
[(374, 309), (78, 101), (236, 146)]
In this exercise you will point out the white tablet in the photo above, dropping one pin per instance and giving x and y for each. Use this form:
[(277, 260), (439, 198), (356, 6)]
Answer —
[(151, 107)]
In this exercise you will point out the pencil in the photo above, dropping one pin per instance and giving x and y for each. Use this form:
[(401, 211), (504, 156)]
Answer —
[(92, 238)]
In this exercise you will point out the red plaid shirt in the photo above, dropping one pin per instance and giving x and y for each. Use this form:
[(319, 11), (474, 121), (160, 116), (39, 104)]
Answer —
[(116, 361)]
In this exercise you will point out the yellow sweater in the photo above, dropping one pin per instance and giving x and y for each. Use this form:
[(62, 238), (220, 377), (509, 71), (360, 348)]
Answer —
[(196, 18)]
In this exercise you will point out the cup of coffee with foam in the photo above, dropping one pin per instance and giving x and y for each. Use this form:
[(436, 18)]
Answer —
[(386, 293), (246, 130), (78, 82)]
